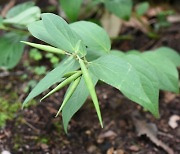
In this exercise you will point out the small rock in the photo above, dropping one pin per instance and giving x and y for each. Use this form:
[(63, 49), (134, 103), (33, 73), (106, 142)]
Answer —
[(44, 147), (134, 148), (27, 146), (100, 140), (119, 151), (92, 149), (5, 152), (110, 151), (88, 132), (173, 121), (104, 95)]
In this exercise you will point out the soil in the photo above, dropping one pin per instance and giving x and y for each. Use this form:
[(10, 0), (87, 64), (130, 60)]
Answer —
[(35, 130)]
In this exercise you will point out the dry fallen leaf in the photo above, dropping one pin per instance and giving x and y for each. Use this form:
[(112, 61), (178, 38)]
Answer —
[(111, 24), (7, 7), (173, 121), (150, 130), (174, 18), (168, 97)]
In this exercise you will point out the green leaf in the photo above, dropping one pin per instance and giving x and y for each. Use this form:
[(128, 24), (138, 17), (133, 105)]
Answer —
[(19, 9), (63, 84), (170, 54), (69, 93), (142, 8), (40, 70), (61, 33), (117, 53), (76, 101), (121, 74), (71, 8), (35, 54), (38, 30), (121, 8), (1, 22), (56, 75), (24, 18), (94, 54), (166, 71), (149, 82), (94, 36), (11, 49), (91, 88), (134, 52)]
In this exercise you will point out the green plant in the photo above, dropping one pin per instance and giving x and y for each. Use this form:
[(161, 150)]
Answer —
[(8, 108), (52, 58), (89, 58), (35, 54), (142, 8), (15, 24), (162, 21), (121, 8)]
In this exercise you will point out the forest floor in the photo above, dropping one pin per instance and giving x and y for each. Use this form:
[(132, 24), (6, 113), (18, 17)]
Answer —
[(127, 127)]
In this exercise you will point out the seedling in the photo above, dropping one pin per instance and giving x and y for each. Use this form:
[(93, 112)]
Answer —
[(89, 58)]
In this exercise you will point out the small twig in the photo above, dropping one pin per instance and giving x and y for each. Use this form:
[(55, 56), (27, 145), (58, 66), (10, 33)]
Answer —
[(31, 126), (7, 7)]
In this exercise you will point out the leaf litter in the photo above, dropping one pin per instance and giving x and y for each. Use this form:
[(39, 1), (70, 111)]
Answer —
[(150, 130)]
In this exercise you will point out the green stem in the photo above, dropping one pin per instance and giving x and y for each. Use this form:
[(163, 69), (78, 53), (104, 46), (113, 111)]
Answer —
[(14, 30)]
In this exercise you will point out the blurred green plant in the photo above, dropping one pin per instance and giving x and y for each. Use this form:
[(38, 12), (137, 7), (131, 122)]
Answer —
[(8, 108), (121, 8), (14, 23), (142, 8), (53, 59), (35, 54), (162, 21)]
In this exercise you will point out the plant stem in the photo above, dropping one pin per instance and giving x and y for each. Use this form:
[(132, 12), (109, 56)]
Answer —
[(15, 30)]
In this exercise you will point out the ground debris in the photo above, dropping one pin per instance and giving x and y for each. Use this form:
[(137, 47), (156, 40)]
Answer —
[(150, 130), (134, 148), (113, 151), (173, 121), (92, 149), (107, 135), (111, 24), (110, 151), (5, 152)]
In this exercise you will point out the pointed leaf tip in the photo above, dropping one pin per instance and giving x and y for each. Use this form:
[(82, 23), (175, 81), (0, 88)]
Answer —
[(69, 93), (91, 89), (62, 84)]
